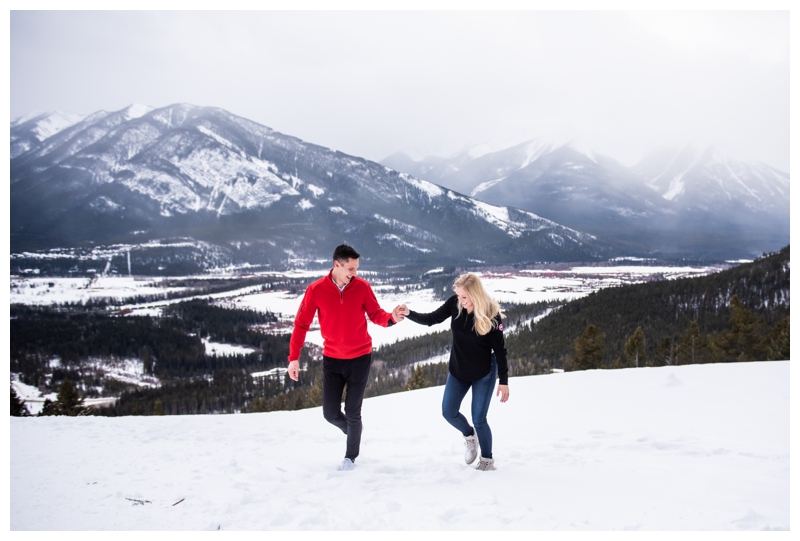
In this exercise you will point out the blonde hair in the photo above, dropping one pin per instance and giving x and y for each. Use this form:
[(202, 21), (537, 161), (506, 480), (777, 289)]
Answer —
[(484, 307)]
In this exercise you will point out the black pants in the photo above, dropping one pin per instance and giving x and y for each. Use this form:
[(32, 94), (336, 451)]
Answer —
[(336, 375)]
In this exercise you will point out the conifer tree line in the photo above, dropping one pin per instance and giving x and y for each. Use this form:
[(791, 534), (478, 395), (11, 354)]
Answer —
[(740, 314)]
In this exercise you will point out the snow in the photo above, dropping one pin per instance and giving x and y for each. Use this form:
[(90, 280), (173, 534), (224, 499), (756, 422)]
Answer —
[(46, 291), (676, 187), (688, 448), (136, 110), (316, 190), (218, 138), (55, 122), (533, 150), (397, 241), (33, 398), (497, 216), (485, 186), (430, 189), (275, 373), (225, 350)]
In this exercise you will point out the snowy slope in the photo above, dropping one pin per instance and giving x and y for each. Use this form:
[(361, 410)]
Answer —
[(29, 130), (698, 447), (713, 175)]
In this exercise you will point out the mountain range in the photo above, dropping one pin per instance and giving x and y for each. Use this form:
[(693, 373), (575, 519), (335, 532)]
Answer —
[(687, 201), (141, 176)]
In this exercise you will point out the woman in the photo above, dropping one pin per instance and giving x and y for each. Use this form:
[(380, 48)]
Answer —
[(477, 358)]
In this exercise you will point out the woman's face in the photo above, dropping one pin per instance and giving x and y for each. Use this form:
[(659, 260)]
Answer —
[(464, 298)]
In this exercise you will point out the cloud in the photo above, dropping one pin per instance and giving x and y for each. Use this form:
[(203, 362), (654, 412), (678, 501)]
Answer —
[(372, 82)]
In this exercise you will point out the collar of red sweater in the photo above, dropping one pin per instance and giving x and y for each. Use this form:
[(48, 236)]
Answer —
[(333, 282)]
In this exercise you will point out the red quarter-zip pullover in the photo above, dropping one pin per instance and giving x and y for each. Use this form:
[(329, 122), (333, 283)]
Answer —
[(341, 318)]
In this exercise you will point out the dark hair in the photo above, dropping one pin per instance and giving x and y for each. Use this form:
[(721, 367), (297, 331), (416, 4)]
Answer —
[(343, 252)]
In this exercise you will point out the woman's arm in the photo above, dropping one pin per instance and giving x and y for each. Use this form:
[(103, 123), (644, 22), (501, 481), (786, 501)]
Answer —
[(437, 316), (498, 343)]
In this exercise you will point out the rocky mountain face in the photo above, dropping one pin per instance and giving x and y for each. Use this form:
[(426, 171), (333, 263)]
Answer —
[(685, 202), (141, 175)]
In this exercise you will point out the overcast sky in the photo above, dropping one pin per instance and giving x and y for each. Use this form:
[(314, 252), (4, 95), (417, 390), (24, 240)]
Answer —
[(372, 83)]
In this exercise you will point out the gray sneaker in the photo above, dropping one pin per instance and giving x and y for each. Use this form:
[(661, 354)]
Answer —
[(346, 465), (485, 464), (471, 443)]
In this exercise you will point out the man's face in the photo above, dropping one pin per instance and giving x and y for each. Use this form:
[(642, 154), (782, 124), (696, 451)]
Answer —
[(343, 272)]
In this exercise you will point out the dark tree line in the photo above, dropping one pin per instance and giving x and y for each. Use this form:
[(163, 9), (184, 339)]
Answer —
[(659, 320)]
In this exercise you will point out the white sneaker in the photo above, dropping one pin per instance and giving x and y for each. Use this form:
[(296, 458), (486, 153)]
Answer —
[(485, 464), (471, 443), (346, 465)]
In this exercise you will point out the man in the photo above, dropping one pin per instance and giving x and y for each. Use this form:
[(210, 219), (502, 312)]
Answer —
[(341, 299)]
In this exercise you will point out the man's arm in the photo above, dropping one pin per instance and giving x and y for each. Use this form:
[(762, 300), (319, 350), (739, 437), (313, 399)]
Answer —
[(377, 314), (302, 323)]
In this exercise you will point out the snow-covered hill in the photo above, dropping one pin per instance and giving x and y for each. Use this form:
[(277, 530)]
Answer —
[(141, 174), (697, 447)]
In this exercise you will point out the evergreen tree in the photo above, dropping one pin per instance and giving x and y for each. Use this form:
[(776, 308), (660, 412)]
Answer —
[(667, 352), (147, 359), (279, 403), (778, 341), (158, 408), (68, 402), (314, 398), (589, 349), (693, 347), (49, 408), (745, 341), (418, 380), (18, 408), (258, 405), (636, 349)]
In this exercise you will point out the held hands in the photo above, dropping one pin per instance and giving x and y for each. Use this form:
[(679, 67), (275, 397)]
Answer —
[(399, 313), (502, 392)]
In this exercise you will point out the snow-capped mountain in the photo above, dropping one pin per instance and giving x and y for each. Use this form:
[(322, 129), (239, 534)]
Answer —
[(685, 202), (705, 178), (140, 174)]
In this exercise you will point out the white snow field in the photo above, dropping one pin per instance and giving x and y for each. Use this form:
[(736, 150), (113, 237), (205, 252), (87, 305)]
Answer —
[(697, 447)]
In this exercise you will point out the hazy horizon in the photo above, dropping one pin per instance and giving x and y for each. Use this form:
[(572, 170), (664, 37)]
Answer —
[(372, 83)]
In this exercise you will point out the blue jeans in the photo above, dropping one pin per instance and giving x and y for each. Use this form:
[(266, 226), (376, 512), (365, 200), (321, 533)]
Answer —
[(454, 392)]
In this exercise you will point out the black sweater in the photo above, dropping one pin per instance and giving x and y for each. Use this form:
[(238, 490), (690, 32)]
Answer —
[(471, 354)]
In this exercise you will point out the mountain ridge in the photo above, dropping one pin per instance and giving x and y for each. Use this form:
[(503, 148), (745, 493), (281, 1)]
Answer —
[(680, 201), (204, 173)]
